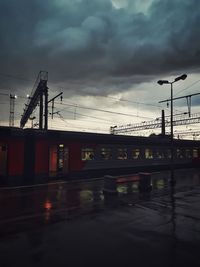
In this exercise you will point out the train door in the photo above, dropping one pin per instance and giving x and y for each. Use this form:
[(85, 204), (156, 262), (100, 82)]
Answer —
[(63, 159), (53, 160), (3, 160), (58, 160)]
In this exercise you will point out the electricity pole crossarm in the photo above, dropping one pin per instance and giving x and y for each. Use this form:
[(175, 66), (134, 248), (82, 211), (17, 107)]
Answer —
[(188, 99), (52, 100)]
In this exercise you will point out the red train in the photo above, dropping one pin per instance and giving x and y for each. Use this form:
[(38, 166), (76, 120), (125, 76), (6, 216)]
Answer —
[(32, 155)]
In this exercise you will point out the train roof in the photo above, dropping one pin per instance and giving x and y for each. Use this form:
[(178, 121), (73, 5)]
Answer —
[(91, 137), (11, 131)]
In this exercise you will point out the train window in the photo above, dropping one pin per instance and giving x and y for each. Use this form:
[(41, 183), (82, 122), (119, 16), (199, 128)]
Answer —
[(188, 153), (168, 153), (148, 153), (87, 154), (136, 154), (179, 153), (195, 153), (106, 153), (122, 153), (159, 154)]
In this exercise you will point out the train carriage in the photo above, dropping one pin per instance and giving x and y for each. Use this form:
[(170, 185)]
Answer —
[(11, 154), (32, 155)]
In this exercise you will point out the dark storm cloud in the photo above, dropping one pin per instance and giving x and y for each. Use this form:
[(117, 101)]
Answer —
[(84, 43)]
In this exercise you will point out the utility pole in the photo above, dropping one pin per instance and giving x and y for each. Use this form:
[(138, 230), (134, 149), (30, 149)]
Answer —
[(161, 82), (41, 111), (46, 107), (163, 123), (43, 105)]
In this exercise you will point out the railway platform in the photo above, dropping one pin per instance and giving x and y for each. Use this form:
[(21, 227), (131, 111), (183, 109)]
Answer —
[(75, 224)]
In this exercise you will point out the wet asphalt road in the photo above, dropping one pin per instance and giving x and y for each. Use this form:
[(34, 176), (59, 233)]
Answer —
[(75, 224)]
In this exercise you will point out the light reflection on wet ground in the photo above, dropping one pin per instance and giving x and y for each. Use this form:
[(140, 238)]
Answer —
[(76, 223)]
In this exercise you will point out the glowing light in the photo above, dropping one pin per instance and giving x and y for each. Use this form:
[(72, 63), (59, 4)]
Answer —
[(48, 205)]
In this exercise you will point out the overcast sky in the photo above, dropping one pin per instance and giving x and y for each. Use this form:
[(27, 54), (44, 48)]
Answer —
[(97, 48)]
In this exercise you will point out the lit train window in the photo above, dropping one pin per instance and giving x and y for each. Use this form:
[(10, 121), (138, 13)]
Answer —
[(106, 153), (122, 153), (136, 154), (87, 154), (188, 153), (195, 153), (148, 153)]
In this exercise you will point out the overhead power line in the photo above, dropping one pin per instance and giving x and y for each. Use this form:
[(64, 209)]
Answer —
[(130, 101), (82, 128), (188, 99), (188, 87), (122, 99), (103, 110), (88, 116)]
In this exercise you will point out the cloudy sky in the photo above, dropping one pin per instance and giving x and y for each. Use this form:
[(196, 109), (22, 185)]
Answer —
[(103, 55)]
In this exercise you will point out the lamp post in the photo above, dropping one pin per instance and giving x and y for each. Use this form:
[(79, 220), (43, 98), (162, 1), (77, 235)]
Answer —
[(161, 82)]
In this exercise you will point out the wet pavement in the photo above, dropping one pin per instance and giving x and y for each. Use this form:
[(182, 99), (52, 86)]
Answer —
[(76, 224)]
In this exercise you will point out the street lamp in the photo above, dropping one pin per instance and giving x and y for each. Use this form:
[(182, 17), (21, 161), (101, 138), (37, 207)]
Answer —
[(161, 82)]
